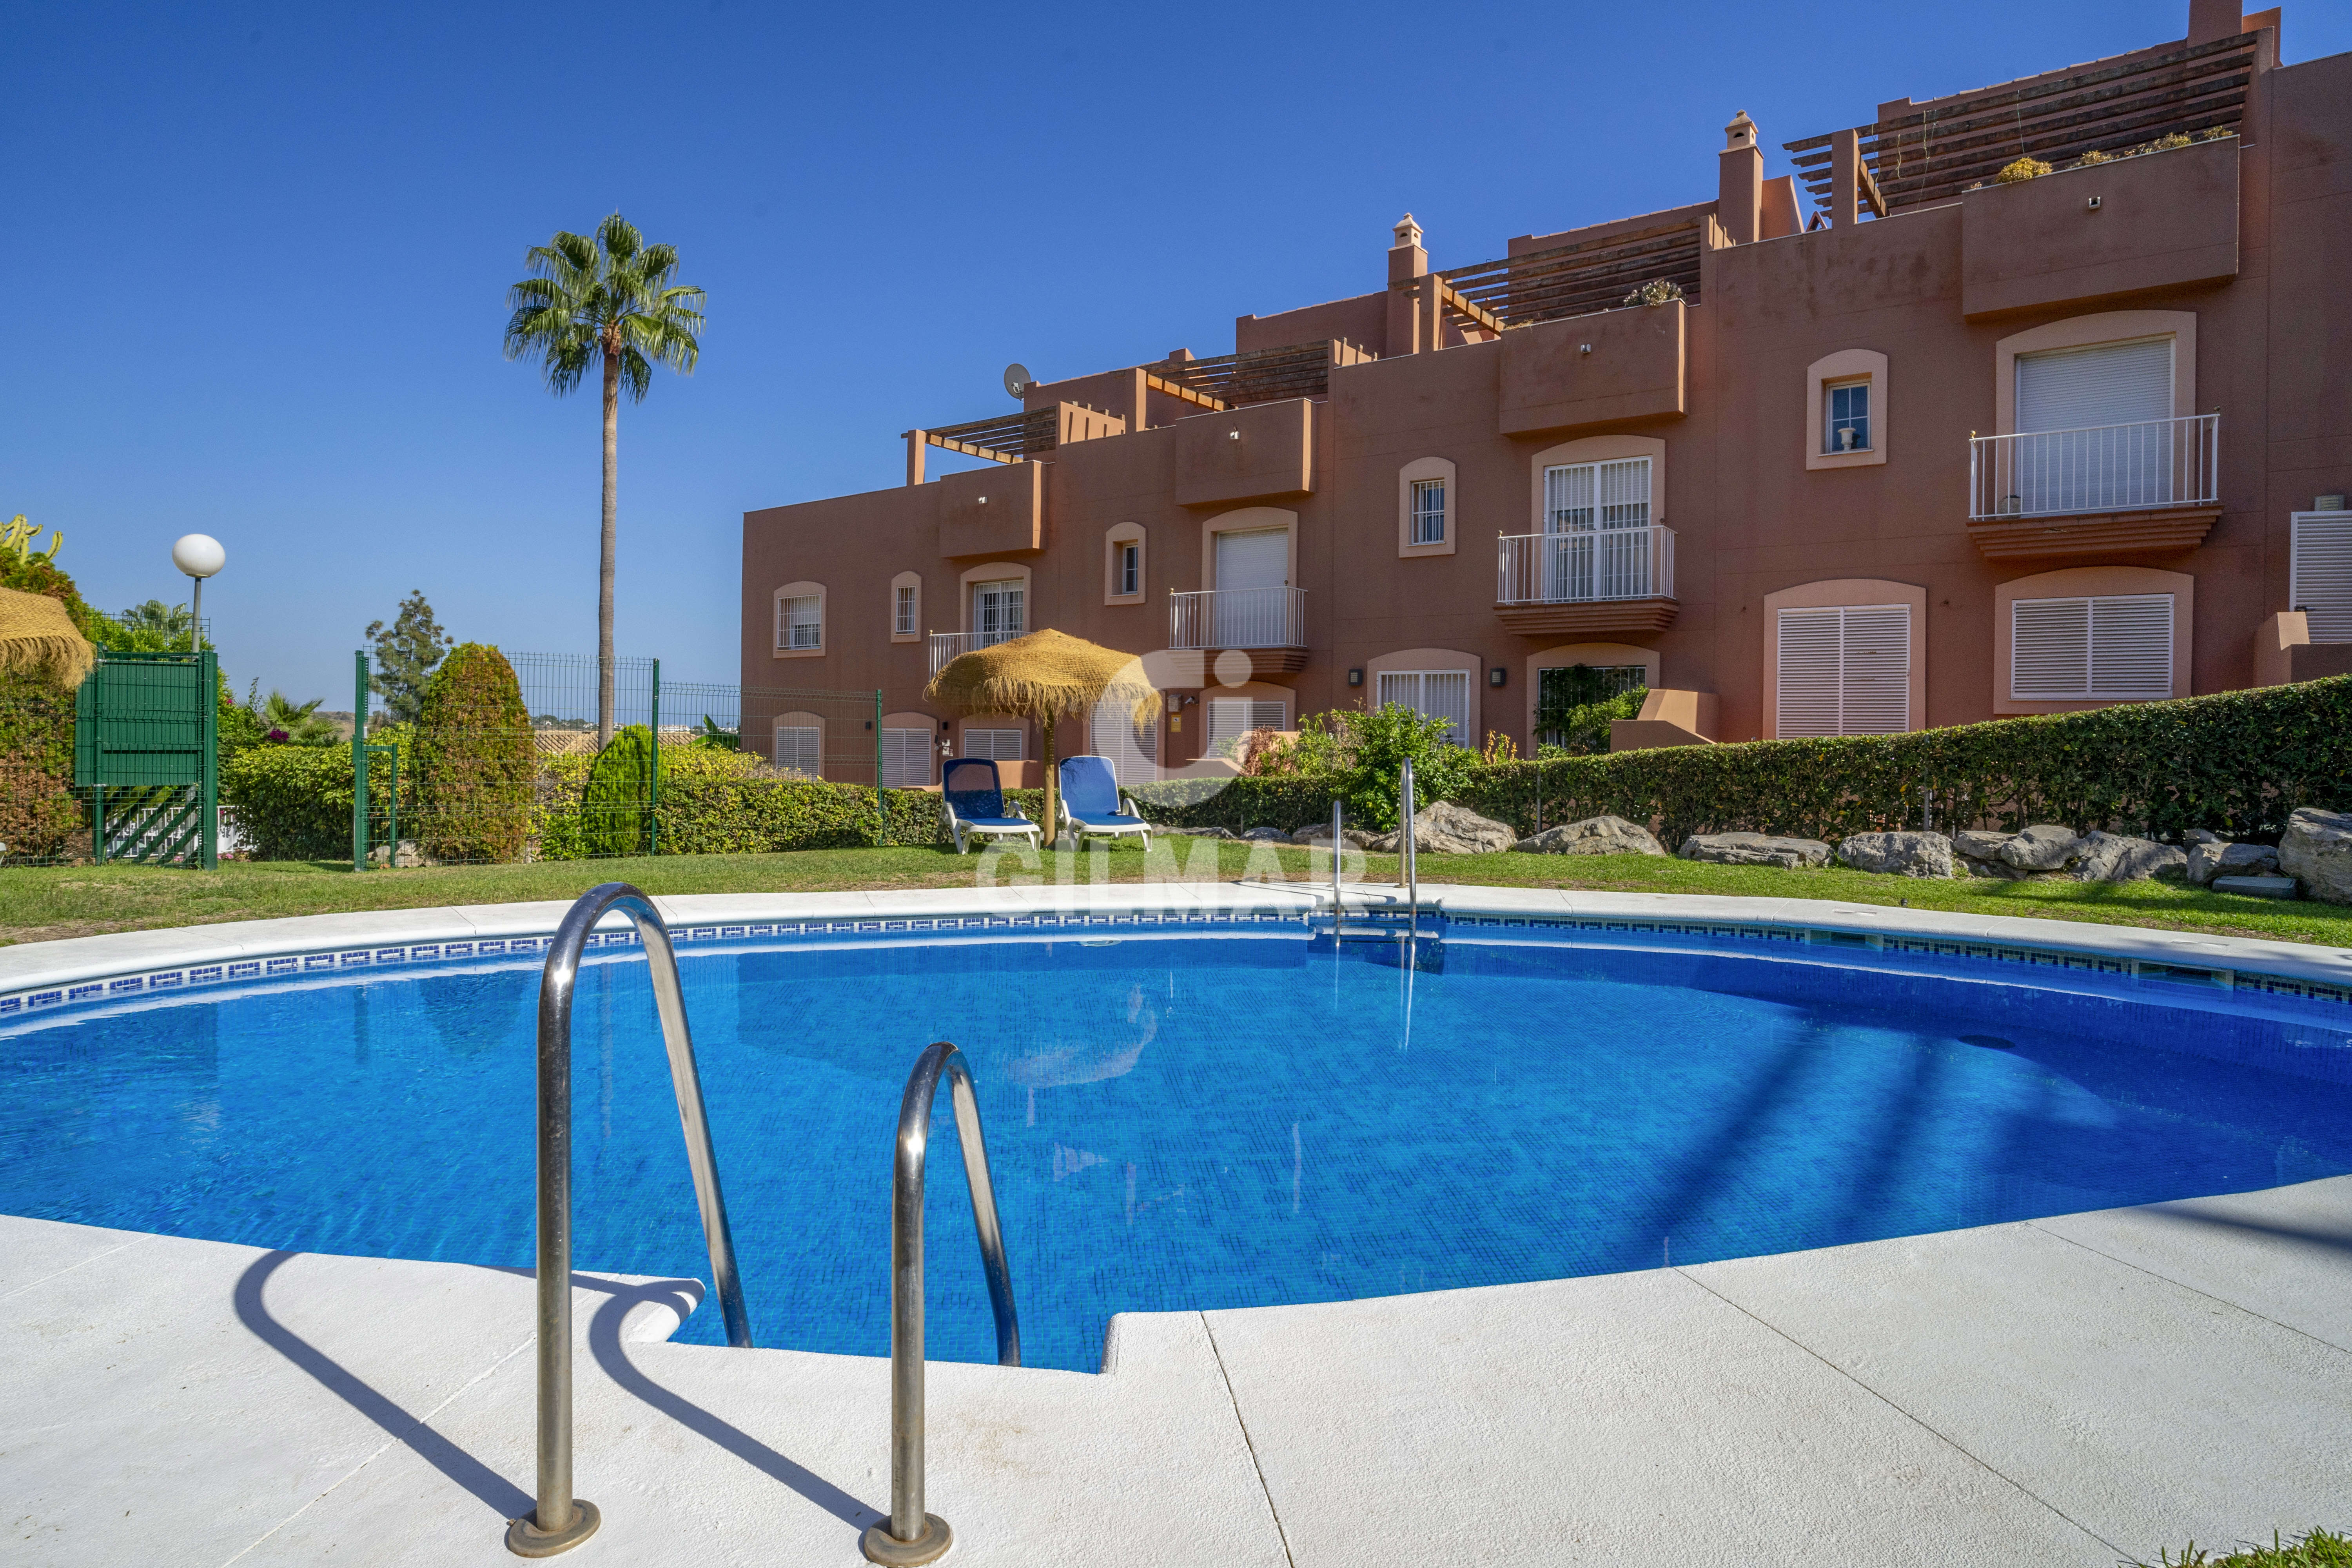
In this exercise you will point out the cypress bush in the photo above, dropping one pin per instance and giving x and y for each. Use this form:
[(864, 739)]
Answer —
[(2238, 764), (475, 760), (616, 806)]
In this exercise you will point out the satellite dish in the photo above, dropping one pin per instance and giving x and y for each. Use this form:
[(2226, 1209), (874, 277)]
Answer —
[(1017, 379)]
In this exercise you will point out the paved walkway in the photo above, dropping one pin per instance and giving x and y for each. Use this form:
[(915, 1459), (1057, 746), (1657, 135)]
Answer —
[(2068, 1391)]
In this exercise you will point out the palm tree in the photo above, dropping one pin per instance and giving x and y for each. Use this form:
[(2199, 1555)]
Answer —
[(608, 297)]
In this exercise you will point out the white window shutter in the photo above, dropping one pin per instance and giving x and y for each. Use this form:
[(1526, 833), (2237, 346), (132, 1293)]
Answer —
[(1844, 670), (1874, 684), (906, 759), (1131, 748), (1807, 700), (2110, 384), (2321, 579), (2115, 647), (2131, 645), (800, 748)]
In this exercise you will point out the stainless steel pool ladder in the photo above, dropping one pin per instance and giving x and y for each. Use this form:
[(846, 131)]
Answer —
[(1408, 846), (910, 1535), (561, 1520)]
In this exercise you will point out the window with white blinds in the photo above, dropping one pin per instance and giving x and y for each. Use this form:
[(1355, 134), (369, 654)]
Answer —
[(1231, 717), (1132, 749), (906, 759), (800, 622), (2108, 384), (1582, 497), (1434, 694), (2320, 582), (1844, 670), (2116, 647), (996, 745), (800, 748)]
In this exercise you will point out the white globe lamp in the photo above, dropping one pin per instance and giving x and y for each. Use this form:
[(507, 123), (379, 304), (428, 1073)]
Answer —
[(199, 556)]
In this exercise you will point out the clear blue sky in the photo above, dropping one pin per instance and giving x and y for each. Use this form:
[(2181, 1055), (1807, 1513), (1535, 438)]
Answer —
[(260, 251)]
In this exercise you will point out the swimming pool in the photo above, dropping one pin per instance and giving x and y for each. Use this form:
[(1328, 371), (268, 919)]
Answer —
[(1178, 1119)]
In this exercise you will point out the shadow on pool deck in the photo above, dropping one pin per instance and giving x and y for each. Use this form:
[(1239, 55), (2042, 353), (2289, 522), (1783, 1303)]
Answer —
[(493, 1490)]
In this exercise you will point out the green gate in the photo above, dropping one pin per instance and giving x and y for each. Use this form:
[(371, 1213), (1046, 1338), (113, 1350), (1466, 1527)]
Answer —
[(145, 752)]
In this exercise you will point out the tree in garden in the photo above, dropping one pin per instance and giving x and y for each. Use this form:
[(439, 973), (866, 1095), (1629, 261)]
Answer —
[(406, 655), (283, 718), (609, 302), (474, 759), (618, 800)]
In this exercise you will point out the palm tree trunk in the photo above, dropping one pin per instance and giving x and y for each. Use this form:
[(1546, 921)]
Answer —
[(605, 560)]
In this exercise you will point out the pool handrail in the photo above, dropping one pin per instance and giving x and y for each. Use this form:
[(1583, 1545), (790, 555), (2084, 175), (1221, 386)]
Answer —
[(560, 1521), (909, 1535), (1409, 848)]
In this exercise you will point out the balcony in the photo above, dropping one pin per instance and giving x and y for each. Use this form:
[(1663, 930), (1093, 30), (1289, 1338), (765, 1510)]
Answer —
[(1609, 580), (946, 645), (1267, 624), (2152, 485)]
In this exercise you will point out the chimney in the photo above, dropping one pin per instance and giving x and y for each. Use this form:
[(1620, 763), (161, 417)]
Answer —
[(1740, 202), (2211, 20), (1407, 261)]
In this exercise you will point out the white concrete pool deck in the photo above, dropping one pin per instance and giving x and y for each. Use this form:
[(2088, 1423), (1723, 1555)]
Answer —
[(2068, 1391)]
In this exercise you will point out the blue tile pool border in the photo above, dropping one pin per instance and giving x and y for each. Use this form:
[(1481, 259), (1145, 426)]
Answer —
[(347, 957)]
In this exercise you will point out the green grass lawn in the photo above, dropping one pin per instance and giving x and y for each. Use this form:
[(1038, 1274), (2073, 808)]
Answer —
[(39, 903)]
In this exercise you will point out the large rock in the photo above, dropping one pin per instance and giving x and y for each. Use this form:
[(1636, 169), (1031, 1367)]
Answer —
[(1593, 836), (1980, 843), (2041, 848), (2317, 851), (1898, 853), (2212, 857), (1754, 849), (1194, 832), (2118, 858), (1270, 834), (1446, 829), (1320, 833)]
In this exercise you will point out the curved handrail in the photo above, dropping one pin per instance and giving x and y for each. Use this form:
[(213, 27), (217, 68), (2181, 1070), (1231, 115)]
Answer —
[(909, 1535), (561, 1520), (1408, 842)]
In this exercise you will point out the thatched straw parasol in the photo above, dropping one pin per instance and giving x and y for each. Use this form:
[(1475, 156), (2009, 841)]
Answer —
[(1044, 676), (39, 637)]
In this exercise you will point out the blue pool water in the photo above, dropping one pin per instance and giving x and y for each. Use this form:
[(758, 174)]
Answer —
[(1177, 1122)]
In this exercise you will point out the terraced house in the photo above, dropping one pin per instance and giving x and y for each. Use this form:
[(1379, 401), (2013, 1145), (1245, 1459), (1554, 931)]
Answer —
[(1917, 436)]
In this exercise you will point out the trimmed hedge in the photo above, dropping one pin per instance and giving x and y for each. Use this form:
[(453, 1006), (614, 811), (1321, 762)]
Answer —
[(294, 803), (40, 816), (476, 763), (2237, 763)]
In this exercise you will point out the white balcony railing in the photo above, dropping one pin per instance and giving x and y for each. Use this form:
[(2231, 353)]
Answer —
[(1585, 566), (946, 645), (1238, 617), (2101, 468)]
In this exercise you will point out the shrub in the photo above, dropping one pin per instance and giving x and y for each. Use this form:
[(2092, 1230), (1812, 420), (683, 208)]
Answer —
[(1657, 291), (2021, 169), (294, 803), (39, 814), (2237, 763), (2092, 159), (615, 807), (474, 759), (1583, 730)]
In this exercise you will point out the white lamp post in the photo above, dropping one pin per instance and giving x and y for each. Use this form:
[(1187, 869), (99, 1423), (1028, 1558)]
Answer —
[(199, 556)]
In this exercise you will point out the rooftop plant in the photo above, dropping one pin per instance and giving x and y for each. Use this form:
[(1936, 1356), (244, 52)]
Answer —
[(2021, 169)]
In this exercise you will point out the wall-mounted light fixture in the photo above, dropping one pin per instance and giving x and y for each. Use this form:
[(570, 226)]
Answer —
[(1233, 435), (2092, 205), (1355, 678), (1498, 675), (1584, 348)]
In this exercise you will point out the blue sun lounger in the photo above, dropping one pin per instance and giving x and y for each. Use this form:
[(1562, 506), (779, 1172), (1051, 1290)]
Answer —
[(1090, 805), (971, 800)]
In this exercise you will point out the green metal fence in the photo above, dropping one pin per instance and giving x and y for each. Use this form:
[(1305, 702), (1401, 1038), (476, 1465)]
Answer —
[(145, 752), (558, 789)]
